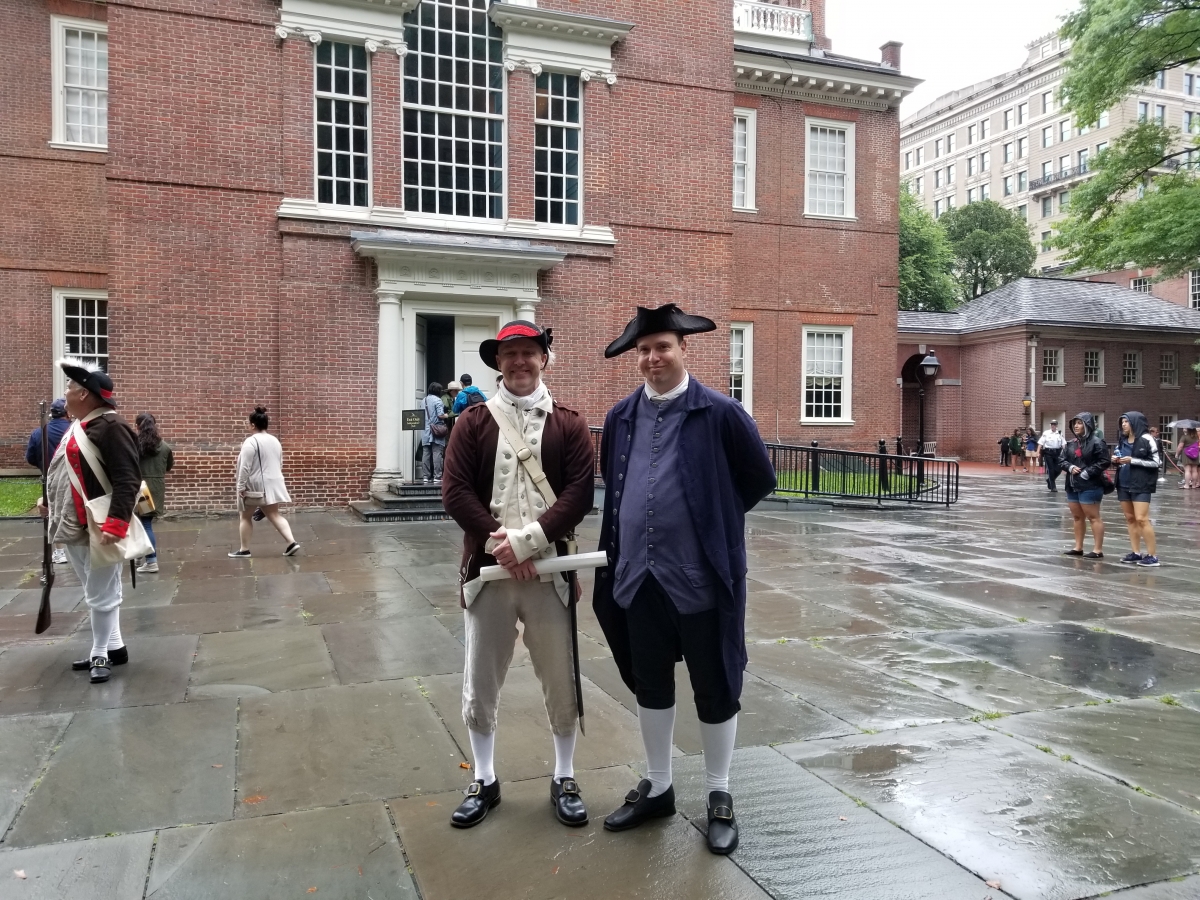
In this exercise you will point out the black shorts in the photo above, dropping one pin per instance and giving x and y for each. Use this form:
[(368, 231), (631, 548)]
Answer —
[(659, 636), (1126, 497)]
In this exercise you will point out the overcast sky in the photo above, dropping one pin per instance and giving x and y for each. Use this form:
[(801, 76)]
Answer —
[(949, 43)]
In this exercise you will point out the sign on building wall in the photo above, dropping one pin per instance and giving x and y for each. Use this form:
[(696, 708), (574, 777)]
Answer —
[(413, 419)]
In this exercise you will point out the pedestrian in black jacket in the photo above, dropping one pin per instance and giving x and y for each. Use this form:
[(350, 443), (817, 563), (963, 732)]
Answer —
[(55, 429), (1139, 458), (1084, 459)]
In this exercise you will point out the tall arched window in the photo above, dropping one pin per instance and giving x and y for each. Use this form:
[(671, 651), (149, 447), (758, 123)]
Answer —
[(453, 110)]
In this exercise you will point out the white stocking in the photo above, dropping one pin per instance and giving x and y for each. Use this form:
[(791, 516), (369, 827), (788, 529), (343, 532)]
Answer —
[(564, 756), (658, 732), (115, 641), (103, 622), (483, 748), (718, 741)]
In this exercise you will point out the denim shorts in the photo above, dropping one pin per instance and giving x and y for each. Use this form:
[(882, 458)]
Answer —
[(1090, 497), (1126, 497)]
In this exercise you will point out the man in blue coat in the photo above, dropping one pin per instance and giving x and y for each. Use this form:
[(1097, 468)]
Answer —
[(681, 463)]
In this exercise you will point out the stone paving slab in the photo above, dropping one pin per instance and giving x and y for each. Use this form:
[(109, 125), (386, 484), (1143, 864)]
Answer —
[(971, 682), (1008, 812), (382, 579), (1105, 664), (343, 853), (524, 743), (1019, 601), (38, 677), (392, 648), (339, 745), (113, 868), (232, 589), (122, 770), (780, 614), (202, 618), (1178, 631), (25, 745), (273, 659), (906, 608), (365, 605), (802, 838), (1173, 889), (26, 602), (521, 850), (1145, 743), (19, 629), (852, 693)]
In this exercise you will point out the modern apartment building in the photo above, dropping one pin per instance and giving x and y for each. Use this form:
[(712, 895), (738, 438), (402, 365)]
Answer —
[(1006, 139)]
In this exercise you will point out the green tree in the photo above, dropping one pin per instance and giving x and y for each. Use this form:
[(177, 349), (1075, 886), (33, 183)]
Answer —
[(926, 260), (991, 247), (1142, 203)]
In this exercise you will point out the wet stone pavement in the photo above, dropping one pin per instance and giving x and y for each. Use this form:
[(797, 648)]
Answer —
[(938, 706)]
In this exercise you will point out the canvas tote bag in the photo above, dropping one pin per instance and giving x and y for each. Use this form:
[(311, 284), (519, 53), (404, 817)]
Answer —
[(136, 542)]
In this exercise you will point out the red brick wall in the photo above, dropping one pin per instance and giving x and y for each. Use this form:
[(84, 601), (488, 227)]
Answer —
[(1174, 290)]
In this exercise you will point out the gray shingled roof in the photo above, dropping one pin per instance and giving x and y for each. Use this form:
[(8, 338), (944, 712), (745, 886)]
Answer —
[(1047, 302)]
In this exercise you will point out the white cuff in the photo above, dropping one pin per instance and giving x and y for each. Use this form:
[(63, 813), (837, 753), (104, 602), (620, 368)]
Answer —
[(490, 545), (528, 541)]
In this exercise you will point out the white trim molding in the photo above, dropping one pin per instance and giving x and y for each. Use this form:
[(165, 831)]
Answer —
[(751, 117), (747, 373), (59, 326), (847, 376), (850, 210), (821, 79), (392, 217), (58, 63), (538, 39), (373, 24)]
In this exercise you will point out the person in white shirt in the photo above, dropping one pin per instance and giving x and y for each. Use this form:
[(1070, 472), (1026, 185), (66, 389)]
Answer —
[(1052, 443)]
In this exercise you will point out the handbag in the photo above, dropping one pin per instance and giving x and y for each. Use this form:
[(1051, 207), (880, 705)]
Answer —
[(257, 495), (1192, 451), (437, 427), (145, 501), (136, 542)]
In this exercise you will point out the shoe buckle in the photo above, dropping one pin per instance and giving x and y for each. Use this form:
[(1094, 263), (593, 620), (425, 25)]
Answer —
[(475, 789), (633, 796), (569, 786), (723, 812), (99, 662)]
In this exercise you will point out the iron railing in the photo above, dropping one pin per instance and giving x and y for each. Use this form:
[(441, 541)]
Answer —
[(851, 475)]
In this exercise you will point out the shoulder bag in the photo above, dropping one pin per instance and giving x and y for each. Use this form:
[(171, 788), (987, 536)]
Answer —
[(136, 542), (437, 427), (257, 495)]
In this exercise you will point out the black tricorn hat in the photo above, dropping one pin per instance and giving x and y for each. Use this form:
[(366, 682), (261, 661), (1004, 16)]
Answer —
[(90, 377), (668, 317), (515, 330)]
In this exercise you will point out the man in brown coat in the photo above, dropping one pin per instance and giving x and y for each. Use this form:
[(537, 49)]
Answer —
[(490, 485)]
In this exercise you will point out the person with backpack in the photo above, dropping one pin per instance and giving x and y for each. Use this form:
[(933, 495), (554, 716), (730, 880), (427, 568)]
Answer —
[(433, 439), (157, 459), (1084, 459), (468, 396), (1139, 457)]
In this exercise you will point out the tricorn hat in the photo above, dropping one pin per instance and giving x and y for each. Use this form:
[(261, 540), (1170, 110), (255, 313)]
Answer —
[(90, 377), (653, 321), (514, 331)]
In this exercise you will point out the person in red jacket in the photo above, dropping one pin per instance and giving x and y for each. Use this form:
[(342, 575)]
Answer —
[(91, 402)]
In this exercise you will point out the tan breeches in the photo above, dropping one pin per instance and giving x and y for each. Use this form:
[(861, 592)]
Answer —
[(491, 638)]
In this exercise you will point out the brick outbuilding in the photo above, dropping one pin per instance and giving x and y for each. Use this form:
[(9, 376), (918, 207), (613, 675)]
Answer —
[(321, 205), (1067, 345)]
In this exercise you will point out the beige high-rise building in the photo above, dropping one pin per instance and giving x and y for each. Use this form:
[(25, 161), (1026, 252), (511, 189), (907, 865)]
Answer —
[(1006, 139)]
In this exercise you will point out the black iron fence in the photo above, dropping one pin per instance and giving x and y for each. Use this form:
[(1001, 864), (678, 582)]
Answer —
[(850, 475)]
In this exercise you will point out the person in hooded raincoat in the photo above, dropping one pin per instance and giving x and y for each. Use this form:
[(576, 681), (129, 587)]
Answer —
[(1139, 456), (1084, 459)]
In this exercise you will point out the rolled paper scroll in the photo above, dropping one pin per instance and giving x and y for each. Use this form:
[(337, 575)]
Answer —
[(596, 560)]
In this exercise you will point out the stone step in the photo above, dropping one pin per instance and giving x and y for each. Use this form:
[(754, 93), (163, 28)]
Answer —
[(414, 489), (374, 511)]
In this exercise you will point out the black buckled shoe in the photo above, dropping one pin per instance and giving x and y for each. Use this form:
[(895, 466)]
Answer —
[(722, 826), (117, 657), (100, 670), (475, 806), (641, 807), (568, 804)]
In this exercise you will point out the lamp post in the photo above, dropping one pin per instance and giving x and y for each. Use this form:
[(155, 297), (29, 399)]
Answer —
[(926, 371), (1027, 402)]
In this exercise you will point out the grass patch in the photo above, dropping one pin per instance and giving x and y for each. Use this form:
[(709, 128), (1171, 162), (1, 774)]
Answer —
[(988, 716), (858, 484), (1169, 700), (1044, 749), (19, 496)]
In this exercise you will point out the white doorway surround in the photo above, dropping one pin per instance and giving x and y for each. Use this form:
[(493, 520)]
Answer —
[(482, 282)]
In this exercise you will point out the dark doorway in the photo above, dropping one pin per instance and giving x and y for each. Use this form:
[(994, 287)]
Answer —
[(439, 349)]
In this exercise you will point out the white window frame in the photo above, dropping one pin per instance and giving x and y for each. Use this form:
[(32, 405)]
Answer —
[(1138, 372), (1099, 367), (1140, 285), (368, 102), (1173, 357), (59, 328), (1194, 289), (1057, 364), (58, 77), (751, 117), (847, 417), (747, 329), (851, 147)]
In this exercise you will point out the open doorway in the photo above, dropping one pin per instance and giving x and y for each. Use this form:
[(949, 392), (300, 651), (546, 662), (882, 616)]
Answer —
[(436, 359)]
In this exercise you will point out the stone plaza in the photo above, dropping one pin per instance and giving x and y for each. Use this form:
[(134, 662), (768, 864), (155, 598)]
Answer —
[(938, 706)]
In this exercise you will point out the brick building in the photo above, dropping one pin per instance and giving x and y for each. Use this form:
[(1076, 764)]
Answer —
[(1068, 345), (320, 205)]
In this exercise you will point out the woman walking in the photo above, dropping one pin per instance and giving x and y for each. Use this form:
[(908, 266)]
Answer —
[(433, 440), (1084, 459), (157, 459), (1031, 449), (260, 483), (1138, 456), (1016, 448), (1190, 454)]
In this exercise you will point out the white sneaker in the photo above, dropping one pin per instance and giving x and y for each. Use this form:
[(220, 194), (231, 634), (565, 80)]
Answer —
[(150, 567), (59, 557)]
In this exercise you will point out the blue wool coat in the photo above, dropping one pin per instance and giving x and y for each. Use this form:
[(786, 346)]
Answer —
[(727, 471)]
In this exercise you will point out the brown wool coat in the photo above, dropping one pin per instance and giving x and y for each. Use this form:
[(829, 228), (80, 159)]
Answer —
[(469, 470)]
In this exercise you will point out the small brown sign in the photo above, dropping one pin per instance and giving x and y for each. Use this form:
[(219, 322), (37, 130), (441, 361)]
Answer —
[(413, 419)]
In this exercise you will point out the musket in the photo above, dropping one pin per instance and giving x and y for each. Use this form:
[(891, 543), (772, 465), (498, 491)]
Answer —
[(43, 616), (573, 588)]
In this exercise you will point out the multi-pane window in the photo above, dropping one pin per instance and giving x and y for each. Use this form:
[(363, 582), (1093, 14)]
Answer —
[(1102, 122), (937, 178), (920, 185), (1008, 185), (1101, 147), (453, 110), (557, 155), (1048, 168), (85, 329), (1047, 206), (1160, 114), (1064, 131), (972, 133), (1191, 122), (81, 106), (744, 138), (908, 160), (985, 191), (1194, 289), (1052, 366), (1022, 180), (1189, 84), (1141, 285), (938, 209), (1064, 201), (1008, 119), (1048, 136), (985, 129), (1048, 102), (1064, 163), (342, 110), (1131, 367), (1093, 367), (920, 156), (1008, 152), (1143, 111), (937, 148), (985, 161), (1160, 80), (950, 142), (1023, 212), (1022, 147), (1168, 370), (1083, 161), (830, 155), (970, 196), (826, 374), (741, 351), (971, 164), (1046, 241), (950, 174), (1022, 113)]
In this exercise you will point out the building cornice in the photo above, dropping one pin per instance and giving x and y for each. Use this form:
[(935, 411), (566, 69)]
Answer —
[(823, 82), (375, 24), (538, 39), (970, 107)]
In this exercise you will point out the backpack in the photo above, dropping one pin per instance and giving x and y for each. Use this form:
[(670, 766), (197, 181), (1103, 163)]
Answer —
[(475, 396)]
